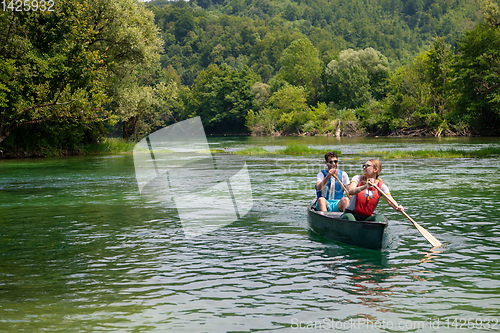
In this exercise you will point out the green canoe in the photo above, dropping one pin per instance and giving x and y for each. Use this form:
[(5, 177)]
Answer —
[(366, 234)]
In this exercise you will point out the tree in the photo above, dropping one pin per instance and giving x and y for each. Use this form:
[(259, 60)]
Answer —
[(261, 92), (266, 54), (123, 31), (286, 111), (478, 69), (289, 106), (126, 36), (439, 62), (141, 108), (49, 73), (491, 13), (184, 24), (410, 99), (300, 65), (59, 66), (356, 77), (222, 98)]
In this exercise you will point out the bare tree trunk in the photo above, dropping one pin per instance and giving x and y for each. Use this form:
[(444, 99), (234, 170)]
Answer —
[(2, 127), (337, 131), (127, 132)]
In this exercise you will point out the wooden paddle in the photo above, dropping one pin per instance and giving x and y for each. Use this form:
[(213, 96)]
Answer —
[(346, 191), (431, 239)]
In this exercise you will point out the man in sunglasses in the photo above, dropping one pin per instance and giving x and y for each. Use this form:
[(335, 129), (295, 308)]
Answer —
[(329, 192)]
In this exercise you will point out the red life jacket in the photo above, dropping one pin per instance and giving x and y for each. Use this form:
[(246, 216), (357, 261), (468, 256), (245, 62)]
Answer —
[(364, 204)]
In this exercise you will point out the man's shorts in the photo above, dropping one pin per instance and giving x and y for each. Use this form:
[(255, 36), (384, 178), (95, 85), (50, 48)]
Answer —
[(333, 205)]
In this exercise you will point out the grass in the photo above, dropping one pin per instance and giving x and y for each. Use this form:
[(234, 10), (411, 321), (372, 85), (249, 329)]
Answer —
[(252, 151), (290, 150), (428, 153), (109, 146), (300, 150), (486, 152)]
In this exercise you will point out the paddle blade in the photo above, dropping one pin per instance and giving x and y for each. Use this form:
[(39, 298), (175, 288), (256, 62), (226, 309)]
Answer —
[(427, 235), (431, 239)]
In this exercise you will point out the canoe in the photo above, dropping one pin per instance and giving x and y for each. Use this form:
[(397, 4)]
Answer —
[(366, 234)]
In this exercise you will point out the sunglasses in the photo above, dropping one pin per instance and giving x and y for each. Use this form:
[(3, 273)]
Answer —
[(366, 166), (333, 161)]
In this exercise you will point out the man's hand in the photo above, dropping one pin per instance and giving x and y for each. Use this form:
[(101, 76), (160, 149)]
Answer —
[(332, 171)]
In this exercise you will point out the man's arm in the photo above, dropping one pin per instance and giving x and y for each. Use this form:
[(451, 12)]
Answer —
[(321, 184)]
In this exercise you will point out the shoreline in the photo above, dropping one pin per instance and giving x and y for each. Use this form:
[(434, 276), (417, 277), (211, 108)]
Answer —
[(109, 146), (115, 147)]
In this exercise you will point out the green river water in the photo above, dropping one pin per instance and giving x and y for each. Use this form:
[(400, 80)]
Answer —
[(82, 251)]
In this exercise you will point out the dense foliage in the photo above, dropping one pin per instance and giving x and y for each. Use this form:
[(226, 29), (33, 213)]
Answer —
[(222, 97), (63, 72), (390, 66), (48, 69), (264, 66), (478, 74), (256, 32)]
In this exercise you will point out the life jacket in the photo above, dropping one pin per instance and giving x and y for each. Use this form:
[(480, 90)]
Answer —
[(367, 200), (326, 191)]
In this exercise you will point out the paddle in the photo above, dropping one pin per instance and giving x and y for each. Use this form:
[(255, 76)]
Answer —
[(346, 191), (431, 239)]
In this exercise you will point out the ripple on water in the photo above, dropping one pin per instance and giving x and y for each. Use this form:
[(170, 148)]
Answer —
[(82, 251)]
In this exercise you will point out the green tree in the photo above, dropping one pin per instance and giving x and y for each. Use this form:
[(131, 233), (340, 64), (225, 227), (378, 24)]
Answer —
[(222, 98), (129, 41), (285, 112), (261, 92), (356, 77), (67, 64), (491, 13), (184, 24), (300, 65), (415, 99), (266, 53), (141, 108), (123, 31), (478, 68), (48, 70), (410, 100), (262, 29), (439, 63)]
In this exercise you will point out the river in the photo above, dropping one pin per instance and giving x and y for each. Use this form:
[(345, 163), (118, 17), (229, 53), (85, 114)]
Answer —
[(82, 251)]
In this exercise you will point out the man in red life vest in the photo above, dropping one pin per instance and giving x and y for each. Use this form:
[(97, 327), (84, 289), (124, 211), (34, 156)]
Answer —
[(329, 193), (364, 198)]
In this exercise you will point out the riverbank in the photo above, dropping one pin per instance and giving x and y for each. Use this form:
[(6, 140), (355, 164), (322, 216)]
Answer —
[(354, 129), (107, 146), (113, 146), (396, 154)]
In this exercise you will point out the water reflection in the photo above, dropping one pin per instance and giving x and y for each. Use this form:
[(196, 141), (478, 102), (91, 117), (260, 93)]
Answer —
[(432, 254), (80, 250), (362, 273)]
